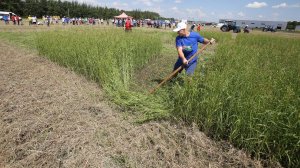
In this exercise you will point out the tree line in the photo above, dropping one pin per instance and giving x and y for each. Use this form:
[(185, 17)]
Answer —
[(292, 25), (60, 8)]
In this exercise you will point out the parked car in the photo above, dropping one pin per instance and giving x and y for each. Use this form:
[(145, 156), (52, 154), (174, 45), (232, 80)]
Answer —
[(268, 28)]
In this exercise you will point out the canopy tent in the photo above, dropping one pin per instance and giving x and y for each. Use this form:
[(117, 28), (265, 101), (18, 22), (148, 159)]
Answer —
[(123, 16)]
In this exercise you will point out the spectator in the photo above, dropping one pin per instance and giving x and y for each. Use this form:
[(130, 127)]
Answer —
[(199, 27), (63, 20), (13, 18), (192, 27), (18, 20), (30, 20), (6, 19), (34, 20), (48, 20), (128, 25)]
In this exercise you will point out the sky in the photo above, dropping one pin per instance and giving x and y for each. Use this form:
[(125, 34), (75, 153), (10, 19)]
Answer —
[(211, 10)]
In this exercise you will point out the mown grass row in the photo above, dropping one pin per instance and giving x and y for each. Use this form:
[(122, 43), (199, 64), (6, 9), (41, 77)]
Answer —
[(250, 96)]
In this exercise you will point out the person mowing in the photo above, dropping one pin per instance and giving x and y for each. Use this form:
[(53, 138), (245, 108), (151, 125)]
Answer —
[(187, 46)]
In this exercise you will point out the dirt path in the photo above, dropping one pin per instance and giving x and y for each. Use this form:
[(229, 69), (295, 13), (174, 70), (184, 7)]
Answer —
[(52, 117)]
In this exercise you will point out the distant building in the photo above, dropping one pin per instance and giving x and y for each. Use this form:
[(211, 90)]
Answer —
[(297, 28), (201, 22), (280, 25)]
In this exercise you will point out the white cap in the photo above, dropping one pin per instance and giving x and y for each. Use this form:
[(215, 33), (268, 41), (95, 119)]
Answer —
[(180, 26)]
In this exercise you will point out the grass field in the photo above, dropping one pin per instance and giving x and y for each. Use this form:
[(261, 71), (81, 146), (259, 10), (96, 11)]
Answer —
[(250, 96), (246, 91)]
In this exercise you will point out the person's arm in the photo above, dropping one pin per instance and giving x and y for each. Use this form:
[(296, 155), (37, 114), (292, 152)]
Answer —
[(206, 41), (181, 55), (203, 40)]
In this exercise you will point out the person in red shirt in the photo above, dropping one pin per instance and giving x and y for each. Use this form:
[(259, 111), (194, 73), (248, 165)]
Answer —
[(128, 25), (13, 19), (18, 19), (199, 27)]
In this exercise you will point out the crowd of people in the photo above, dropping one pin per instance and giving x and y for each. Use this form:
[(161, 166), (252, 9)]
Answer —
[(15, 19), (195, 25), (51, 20)]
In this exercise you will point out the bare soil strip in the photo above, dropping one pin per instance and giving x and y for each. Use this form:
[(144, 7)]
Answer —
[(52, 117)]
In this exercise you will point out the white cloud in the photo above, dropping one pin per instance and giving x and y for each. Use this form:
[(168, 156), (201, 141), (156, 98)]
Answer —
[(282, 5), (257, 5), (177, 1), (285, 5)]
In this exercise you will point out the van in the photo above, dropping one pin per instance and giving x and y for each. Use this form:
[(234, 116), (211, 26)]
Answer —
[(9, 14)]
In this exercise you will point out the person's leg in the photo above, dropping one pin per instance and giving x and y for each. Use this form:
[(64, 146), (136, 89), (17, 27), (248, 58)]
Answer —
[(177, 64), (190, 69)]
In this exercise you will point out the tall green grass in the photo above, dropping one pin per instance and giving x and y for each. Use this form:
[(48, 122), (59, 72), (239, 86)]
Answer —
[(109, 57), (250, 95)]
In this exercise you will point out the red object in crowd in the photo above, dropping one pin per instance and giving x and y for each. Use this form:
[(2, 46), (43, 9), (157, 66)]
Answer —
[(128, 24), (199, 28)]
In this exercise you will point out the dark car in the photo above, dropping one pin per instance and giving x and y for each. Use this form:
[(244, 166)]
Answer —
[(268, 28)]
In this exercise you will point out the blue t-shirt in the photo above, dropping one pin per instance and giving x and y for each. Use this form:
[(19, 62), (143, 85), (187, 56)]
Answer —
[(189, 44), (5, 18)]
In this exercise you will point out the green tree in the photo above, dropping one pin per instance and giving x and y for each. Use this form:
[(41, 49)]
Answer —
[(40, 8)]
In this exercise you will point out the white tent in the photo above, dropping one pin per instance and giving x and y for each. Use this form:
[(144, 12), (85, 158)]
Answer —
[(123, 16)]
